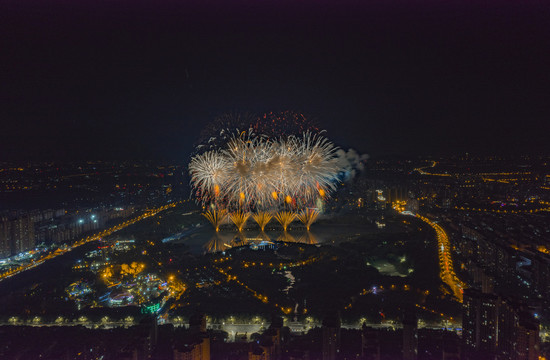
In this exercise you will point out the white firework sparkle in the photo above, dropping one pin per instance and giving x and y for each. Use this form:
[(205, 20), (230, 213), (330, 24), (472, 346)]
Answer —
[(254, 172)]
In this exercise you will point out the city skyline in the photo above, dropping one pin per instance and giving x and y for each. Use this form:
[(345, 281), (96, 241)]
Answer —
[(274, 180), (416, 259)]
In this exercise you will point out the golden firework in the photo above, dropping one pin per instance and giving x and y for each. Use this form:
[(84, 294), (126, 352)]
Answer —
[(285, 218), (262, 218), (216, 217), (239, 218), (308, 217)]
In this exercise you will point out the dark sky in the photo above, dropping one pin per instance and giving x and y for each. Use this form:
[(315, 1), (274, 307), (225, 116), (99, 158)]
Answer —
[(130, 79)]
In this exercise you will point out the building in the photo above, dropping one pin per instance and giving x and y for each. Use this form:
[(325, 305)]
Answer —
[(527, 338), (197, 323), (5, 239), (479, 323), (410, 336), (257, 353), (16, 235), (495, 327), (194, 347), (370, 343), (331, 336)]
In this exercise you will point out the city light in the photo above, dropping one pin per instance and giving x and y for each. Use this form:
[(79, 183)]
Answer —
[(445, 261)]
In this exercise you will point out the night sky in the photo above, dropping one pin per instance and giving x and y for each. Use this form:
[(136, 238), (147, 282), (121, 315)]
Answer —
[(129, 80)]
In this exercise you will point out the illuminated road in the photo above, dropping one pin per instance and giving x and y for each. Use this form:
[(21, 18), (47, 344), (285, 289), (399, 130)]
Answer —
[(106, 232), (422, 171), (446, 273), (256, 294), (542, 206)]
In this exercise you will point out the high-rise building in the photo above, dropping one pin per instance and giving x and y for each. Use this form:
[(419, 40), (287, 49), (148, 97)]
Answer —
[(197, 323), (331, 336), (196, 344), (269, 345), (194, 347), (507, 323), (22, 230), (527, 335), (451, 350), (370, 343), (274, 336), (410, 336), (479, 323), (5, 239), (257, 353), (494, 327), (16, 235), (518, 332)]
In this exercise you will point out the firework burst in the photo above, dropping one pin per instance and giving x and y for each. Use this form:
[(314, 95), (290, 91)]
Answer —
[(209, 175), (260, 173)]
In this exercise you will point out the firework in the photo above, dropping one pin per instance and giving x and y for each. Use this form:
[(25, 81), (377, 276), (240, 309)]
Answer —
[(239, 218), (262, 218), (259, 173), (273, 124), (216, 217), (285, 218), (209, 174), (308, 217), (283, 123)]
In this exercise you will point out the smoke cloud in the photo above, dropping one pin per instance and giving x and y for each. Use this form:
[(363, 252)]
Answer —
[(351, 162)]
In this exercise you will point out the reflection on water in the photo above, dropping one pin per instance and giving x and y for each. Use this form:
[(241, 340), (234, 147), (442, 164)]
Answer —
[(308, 238), (239, 239), (226, 240), (216, 244), (286, 237), (206, 239)]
